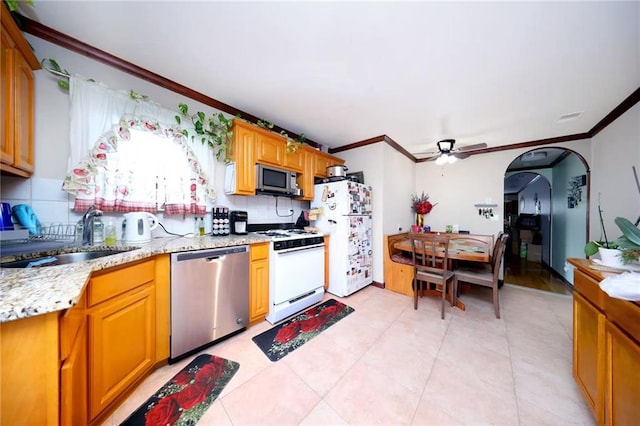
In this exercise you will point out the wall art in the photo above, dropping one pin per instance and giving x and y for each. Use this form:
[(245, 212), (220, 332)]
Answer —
[(576, 184)]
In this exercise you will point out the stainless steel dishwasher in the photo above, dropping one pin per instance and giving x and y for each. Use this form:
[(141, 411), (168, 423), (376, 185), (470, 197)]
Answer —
[(209, 297)]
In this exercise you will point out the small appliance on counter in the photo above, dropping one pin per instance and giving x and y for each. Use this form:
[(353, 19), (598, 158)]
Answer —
[(238, 222), (137, 228), (220, 221)]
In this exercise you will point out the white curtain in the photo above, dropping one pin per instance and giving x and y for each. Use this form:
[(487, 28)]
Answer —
[(101, 120)]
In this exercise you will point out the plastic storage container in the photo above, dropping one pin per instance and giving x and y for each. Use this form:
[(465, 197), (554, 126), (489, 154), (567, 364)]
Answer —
[(523, 250)]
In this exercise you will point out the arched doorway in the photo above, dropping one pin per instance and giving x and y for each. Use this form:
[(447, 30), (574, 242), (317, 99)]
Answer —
[(546, 212)]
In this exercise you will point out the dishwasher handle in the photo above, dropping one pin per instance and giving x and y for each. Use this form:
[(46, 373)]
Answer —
[(208, 255)]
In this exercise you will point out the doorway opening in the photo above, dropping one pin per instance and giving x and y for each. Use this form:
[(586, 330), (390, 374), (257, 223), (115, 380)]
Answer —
[(545, 217)]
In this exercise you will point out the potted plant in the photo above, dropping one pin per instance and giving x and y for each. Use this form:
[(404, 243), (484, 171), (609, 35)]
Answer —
[(214, 130), (625, 249), (629, 242)]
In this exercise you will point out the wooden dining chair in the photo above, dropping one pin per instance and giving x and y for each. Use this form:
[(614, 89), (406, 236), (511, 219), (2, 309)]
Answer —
[(479, 243), (430, 255), (487, 276)]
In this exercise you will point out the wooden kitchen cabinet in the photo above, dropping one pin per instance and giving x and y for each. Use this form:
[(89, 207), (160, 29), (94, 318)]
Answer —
[(315, 165), (259, 282), (73, 382), (606, 355), (252, 145), (588, 353), (324, 160), (269, 148), (306, 179), (294, 160), (73, 372), (73, 367), (242, 154), (121, 327), (17, 95), (29, 371), (622, 372)]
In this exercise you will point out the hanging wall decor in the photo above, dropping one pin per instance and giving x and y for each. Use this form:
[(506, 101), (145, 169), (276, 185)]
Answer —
[(575, 190)]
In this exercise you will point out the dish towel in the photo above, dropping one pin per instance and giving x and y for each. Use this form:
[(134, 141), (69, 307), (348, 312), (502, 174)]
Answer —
[(625, 286)]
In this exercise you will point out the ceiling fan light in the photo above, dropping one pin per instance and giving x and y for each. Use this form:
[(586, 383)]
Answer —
[(443, 159), (451, 159), (446, 145)]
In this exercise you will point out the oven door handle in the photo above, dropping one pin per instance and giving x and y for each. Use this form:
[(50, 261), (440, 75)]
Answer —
[(289, 250)]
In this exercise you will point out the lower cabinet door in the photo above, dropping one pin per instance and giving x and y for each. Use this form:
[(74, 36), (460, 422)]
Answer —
[(623, 378), (121, 345), (259, 291), (73, 382), (589, 353)]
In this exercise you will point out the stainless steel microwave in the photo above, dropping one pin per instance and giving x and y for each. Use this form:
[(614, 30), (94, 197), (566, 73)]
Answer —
[(274, 181)]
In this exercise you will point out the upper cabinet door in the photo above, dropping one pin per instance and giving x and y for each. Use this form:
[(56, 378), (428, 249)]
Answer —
[(243, 154), (269, 149), (294, 160), (17, 96), (7, 59), (25, 116)]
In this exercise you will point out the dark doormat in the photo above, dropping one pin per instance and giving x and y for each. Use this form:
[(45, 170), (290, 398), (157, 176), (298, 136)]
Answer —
[(185, 398), (291, 334)]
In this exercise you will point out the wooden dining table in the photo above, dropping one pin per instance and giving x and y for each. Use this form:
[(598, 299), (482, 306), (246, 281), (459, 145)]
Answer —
[(461, 247)]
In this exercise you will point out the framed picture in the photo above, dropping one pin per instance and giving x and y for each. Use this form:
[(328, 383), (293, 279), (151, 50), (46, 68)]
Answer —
[(574, 196)]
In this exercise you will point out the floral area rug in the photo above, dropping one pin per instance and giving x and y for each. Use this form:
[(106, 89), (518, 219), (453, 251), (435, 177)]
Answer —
[(291, 334), (185, 398)]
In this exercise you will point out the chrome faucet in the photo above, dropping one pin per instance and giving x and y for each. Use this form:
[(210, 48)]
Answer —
[(87, 224)]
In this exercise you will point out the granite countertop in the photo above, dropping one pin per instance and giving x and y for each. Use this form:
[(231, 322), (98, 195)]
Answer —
[(29, 292)]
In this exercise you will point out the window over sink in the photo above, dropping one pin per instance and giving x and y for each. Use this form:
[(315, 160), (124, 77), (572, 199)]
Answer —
[(138, 163)]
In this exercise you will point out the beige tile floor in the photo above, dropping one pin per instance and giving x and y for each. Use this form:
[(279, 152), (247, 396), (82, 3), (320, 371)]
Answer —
[(389, 364)]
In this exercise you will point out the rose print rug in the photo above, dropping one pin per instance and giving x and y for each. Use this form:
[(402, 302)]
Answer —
[(185, 398), (293, 333)]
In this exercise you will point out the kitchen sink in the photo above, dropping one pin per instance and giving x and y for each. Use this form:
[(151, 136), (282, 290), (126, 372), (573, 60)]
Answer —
[(62, 258)]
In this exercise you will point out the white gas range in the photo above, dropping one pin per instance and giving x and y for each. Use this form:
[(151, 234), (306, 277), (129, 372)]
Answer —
[(296, 271)]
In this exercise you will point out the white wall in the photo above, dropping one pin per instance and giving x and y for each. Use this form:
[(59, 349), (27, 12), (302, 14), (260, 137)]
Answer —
[(614, 151), (568, 225), (390, 175), (43, 192)]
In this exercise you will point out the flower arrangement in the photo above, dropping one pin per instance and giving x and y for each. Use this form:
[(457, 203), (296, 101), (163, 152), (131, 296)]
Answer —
[(421, 204)]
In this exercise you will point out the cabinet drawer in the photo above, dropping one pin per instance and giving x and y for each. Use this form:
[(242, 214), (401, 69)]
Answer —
[(589, 289), (625, 314), (259, 251), (111, 284)]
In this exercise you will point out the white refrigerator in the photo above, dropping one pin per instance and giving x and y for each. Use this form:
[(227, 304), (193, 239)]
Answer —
[(346, 218)]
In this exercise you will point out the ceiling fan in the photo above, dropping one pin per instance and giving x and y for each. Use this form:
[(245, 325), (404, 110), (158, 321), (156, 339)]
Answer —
[(448, 154)]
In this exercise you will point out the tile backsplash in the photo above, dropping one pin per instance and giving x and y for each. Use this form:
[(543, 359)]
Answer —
[(53, 206)]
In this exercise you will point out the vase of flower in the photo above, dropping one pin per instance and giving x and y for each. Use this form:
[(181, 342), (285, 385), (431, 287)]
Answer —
[(421, 206)]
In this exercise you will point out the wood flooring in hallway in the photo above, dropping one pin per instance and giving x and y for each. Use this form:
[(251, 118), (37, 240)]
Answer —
[(533, 275)]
